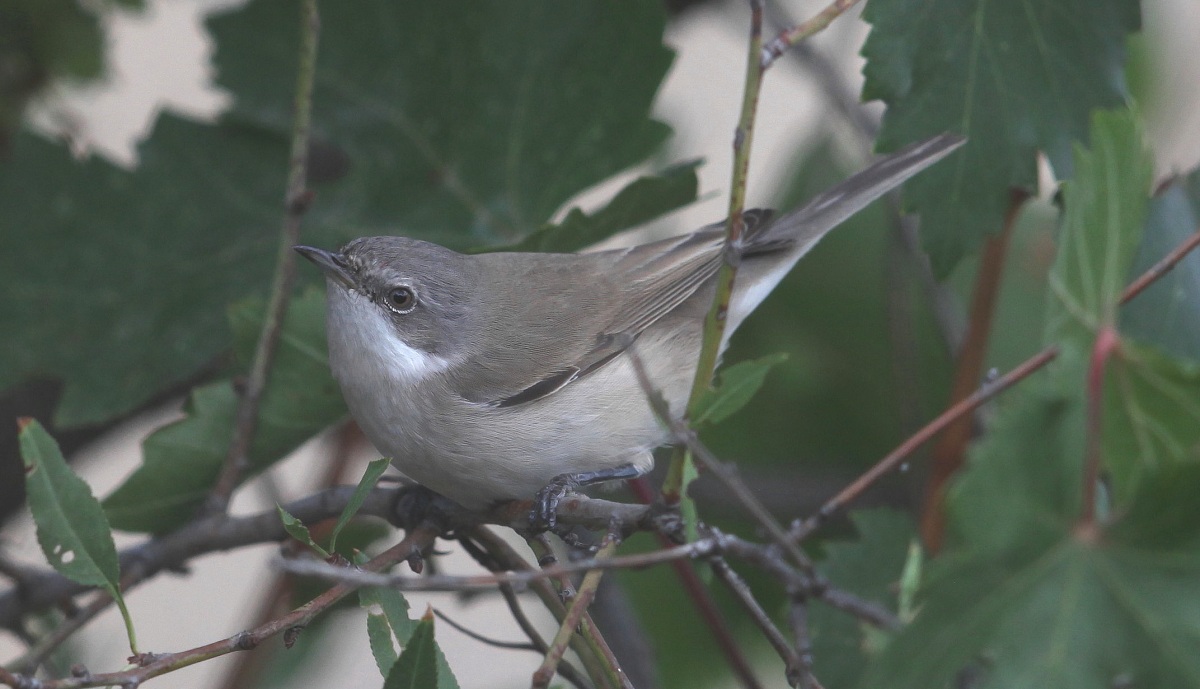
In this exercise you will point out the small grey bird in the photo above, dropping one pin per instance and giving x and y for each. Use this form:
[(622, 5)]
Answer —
[(507, 375)]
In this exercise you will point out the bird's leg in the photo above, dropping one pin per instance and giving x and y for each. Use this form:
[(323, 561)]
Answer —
[(544, 514)]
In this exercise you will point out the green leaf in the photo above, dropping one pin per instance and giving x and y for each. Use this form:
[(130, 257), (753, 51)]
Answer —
[(71, 526), (1151, 415), (394, 607), (379, 634), (370, 477), (183, 459), (161, 251), (735, 387), (297, 530), (1026, 600), (465, 125), (643, 200), (1014, 78), (1167, 313), (41, 41), (869, 567), (1105, 213), (417, 666)]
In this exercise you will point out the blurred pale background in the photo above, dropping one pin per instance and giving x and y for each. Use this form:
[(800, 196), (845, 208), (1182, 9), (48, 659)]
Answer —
[(159, 59)]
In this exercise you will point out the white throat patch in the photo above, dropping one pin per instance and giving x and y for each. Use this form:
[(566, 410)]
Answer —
[(364, 346)]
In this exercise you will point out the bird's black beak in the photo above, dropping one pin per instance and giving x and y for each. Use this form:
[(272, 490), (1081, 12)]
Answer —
[(331, 263)]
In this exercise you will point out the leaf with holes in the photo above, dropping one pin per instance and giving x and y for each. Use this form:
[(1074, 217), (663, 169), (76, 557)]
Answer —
[(71, 526)]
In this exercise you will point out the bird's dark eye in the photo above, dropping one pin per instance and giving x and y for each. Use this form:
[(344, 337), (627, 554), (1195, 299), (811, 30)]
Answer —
[(401, 299)]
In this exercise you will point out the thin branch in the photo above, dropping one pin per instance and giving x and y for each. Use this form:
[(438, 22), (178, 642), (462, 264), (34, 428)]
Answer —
[(172, 551), (790, 37), (296, 200), (750, 604), (153, 665), (714, 321), (950, 449), (519, 579), (703, 601), (568, 671), (798, 616), (801, 529), (590, 646), (583, 598), (1164, 266), (511, 645), (685, 435)]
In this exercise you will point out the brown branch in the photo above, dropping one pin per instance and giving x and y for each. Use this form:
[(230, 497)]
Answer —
[(703, 601), (801, 529), (798, 617), (951, 447), (153, 665), (1107, 342), (568, 671), (1164, 266), (579, 605), (296, 200), (589, 645), (741, 591)]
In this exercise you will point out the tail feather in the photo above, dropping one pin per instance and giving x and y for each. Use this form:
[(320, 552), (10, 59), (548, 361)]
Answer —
[(809, 224)]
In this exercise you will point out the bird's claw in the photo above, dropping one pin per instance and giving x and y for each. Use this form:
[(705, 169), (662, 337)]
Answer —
[(544, 515)]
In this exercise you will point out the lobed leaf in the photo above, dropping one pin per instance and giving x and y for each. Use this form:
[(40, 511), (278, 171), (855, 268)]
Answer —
[(1015, 78)]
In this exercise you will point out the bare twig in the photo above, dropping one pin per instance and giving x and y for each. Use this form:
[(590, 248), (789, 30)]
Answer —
[(750, 604), (686, 436), (568, 671), (790, 37), (579, 606), (590, 645), (802, 528), (296, 200), (172, 551), (511, 645), (1164, 266), (703, 601), (798, 616), (153, 665)]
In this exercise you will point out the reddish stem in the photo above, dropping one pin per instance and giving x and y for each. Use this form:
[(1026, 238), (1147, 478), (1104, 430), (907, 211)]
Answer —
[(1107, 341), (951, 447)]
